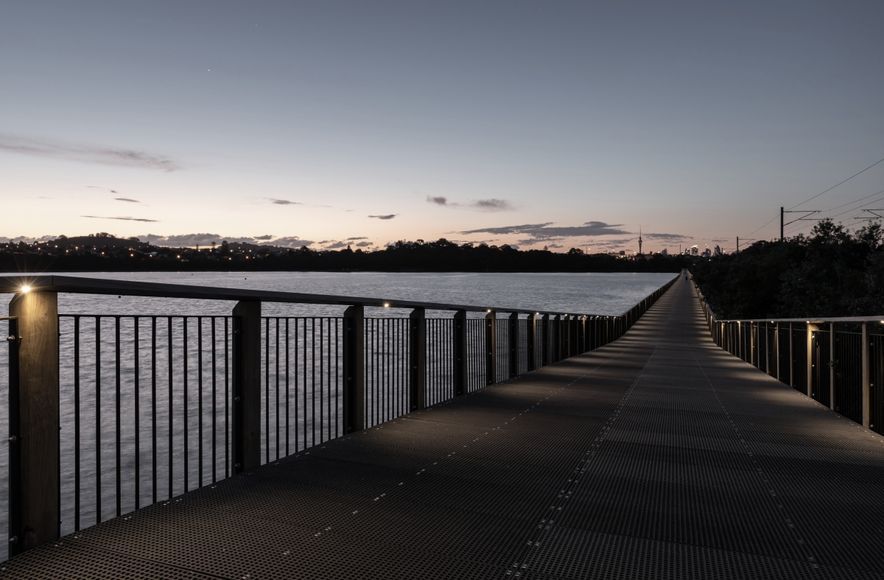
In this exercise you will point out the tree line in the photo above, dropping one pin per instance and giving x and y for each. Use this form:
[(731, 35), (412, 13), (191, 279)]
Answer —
[(830, 272)]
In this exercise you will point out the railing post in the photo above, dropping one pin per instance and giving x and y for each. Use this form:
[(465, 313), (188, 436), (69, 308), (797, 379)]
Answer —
[(767, 348), (544, 347), (417, 347), (866, 377), (34, 420), (832, 365), (531, 341), (246, 386), (581, 335), (791, 358), (777, 339), (513, 328), (809, 385), (491, 347), (753, 344), (460, 353), (354, 369), (557, 338)]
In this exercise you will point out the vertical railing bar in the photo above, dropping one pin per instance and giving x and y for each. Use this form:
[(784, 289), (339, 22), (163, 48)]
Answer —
[(185, 403), (153, 407), (296, 384), (227, 346), (276, 426), (266, 322), (171, 420), (287, 391), (117, 398), (328, 373), (76, 423), (214, 320), (199, 398), (304, 386), (313, 382), (137, 396), (321, 377)]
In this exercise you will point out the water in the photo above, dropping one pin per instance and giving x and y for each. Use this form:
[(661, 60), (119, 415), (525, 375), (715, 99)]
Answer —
[(590, 293)]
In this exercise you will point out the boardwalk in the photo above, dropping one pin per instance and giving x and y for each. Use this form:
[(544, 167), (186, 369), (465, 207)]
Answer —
[(657, 456)]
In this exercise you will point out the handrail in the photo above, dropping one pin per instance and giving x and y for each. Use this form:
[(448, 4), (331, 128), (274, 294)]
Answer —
[(813, 355), (78, 285)]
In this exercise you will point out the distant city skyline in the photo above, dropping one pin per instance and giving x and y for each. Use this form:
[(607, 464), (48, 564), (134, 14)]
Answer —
[(565, 124)]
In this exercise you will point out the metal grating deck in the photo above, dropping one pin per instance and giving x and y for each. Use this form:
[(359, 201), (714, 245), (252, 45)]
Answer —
[(658, 456)]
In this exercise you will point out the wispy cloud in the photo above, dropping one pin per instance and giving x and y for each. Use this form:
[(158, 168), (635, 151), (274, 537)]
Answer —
[(548, 231), (119, 218), (85, 153), (387, 216), (491, 204), (356, 238), (207, 239), (276, 201), (666, 237), (128, 199)]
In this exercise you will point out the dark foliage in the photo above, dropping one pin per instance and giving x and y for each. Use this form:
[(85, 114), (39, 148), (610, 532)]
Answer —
[(102, 252), (831, 272)]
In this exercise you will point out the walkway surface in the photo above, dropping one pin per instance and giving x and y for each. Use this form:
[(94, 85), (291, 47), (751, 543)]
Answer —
[(657, 456)]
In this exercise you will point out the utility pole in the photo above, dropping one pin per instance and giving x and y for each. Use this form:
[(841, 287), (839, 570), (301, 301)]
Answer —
[(738, 244), (782, 219)]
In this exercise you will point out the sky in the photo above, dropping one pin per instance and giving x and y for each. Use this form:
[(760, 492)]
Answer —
[(539, 124)]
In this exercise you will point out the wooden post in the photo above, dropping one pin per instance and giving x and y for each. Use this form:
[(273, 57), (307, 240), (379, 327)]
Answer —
[(460, 353), (354, 369), (417, 346), (531, 341), (544, 347), (866, 377), (513, 328), (490, 347), (246, 386), (34, 430)]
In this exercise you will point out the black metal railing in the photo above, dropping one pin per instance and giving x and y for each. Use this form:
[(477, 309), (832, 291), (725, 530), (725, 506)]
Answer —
[(137, 409), (838, 362)]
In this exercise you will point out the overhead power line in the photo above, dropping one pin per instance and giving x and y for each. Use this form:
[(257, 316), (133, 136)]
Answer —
[(839, 184)]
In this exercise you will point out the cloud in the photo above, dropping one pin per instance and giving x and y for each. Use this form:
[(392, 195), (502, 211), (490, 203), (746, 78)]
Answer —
[(388, 216), (356, 238), (206, 239), (289, 242), (547, 231), (336, 245), (491, 204), (276, 201), (127, 199), (363, 244), (120, 218), (665, 237), (85, 153)]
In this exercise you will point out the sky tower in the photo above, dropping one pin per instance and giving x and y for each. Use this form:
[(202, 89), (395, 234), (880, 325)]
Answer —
[(639, 240)]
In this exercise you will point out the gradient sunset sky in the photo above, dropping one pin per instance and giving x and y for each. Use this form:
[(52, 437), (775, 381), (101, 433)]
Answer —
[(560, 124)]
